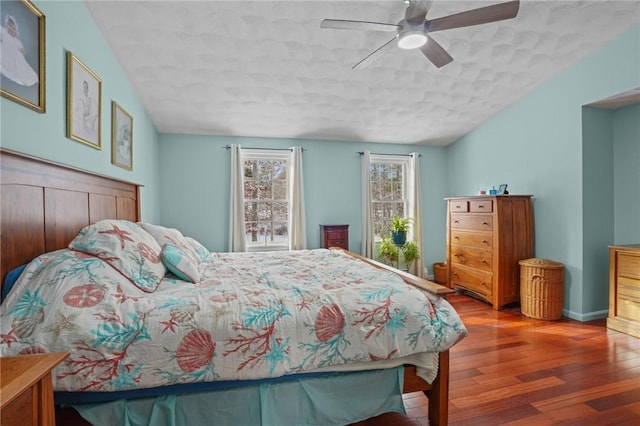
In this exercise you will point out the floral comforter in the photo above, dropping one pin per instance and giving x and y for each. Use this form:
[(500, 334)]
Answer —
[(251, 316)]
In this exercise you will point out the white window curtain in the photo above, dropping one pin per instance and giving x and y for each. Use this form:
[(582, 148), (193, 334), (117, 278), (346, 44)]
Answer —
[(297, 228), (414, 208), (237, 241), (367, 217)]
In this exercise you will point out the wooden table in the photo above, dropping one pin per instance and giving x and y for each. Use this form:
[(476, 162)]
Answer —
[(26, 390)]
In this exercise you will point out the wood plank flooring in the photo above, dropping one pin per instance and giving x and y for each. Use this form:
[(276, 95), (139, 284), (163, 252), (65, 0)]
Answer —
[(514, 370)]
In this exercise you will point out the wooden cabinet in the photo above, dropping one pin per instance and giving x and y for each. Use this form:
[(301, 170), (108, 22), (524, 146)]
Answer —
[(334, 236), (26, 397), (486, 237), (624, 289)]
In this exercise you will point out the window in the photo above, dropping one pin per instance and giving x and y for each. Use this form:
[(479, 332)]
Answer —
[(388, 176), (266, 199)]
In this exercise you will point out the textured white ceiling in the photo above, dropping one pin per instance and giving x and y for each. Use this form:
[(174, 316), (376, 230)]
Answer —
[(266, 68)]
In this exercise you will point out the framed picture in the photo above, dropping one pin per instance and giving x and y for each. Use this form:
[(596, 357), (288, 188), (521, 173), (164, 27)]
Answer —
[(84, 103), (23, 62), (121, 137), (502, 189)]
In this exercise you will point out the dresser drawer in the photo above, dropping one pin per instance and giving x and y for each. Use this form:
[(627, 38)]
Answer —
[(474, 221), (337, 242), (482, 240), (629, 288), (473, 280), (459, 206), (628, 266), (629, 309), (481, 206), (336, 235), (472, 257)]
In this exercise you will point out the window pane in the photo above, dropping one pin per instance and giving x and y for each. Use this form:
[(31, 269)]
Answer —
[(280, 191), (266, 205), (387, 193)]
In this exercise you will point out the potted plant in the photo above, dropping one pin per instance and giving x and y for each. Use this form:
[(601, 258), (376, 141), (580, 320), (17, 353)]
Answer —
[(399, 228), (410, 253), (388, 251)]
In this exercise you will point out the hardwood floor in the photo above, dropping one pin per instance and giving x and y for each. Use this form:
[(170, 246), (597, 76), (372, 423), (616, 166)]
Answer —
[(513, 370)]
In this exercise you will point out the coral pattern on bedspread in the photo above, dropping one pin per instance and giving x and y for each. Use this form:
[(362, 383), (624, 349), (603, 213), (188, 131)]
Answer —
[(251, 316)]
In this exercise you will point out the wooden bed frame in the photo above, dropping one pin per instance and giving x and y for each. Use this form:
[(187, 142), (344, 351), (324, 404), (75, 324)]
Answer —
[(44, 205)]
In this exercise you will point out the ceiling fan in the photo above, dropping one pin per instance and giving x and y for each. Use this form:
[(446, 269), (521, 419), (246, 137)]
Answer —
[(413, 31)]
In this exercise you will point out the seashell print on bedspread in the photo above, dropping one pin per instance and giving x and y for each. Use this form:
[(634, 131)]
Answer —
[(252, 316)]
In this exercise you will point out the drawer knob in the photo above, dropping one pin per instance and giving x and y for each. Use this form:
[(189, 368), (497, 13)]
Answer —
[(485, 241), (484, 261), (455, 221), (485, 223)]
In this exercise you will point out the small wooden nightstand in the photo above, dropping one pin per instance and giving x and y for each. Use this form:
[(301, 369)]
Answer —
[(334, 236), (26, 393)]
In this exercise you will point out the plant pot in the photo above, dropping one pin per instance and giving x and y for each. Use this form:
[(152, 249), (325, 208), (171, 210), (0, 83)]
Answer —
[(399, 237)]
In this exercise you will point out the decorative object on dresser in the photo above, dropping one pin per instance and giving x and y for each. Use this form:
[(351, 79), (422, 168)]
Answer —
[(624, 289), (334, 236), (26, 397), (486, 238)]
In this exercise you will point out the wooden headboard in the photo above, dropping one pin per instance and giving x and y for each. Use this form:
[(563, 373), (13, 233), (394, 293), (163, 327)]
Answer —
[(44, 204)]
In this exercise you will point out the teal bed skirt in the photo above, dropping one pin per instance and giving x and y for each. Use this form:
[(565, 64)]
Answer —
[(324, 400)]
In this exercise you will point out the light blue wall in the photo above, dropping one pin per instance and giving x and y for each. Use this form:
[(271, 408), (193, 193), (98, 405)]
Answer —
[(597, 211), (196, 172), (69, 26), (536, 146), (626, 174)]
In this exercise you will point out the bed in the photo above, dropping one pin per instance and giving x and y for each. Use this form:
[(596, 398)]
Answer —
[(44, 208)]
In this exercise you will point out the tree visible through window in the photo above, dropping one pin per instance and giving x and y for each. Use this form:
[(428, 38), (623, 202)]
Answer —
[(388, 176), (266, 200)]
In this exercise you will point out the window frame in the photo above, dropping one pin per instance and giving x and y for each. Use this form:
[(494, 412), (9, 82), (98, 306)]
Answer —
[(268, 155), (404, 162)]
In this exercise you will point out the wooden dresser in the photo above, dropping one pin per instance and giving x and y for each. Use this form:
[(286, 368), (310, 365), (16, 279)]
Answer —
[(486, 237), (26, 397), (334, 236), (624, 289)]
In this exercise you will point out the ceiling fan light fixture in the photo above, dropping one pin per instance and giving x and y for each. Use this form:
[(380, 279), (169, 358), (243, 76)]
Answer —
[(412, 39)]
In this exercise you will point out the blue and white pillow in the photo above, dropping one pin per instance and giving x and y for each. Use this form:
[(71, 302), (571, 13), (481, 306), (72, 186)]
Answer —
[(180, 263), (198, 248)]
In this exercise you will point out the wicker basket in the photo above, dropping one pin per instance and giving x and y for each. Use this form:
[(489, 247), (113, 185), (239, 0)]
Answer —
[(440, 273), (541, 288)]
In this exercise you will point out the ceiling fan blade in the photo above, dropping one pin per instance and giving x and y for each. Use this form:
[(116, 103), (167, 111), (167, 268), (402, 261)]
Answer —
[(373, 56), (436, 53), (417, 11), (483, 15), (345, 24)]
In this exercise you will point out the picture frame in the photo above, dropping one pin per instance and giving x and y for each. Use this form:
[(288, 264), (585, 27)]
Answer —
[(121, 137), (23, 77), (84, 103), (502, 189)]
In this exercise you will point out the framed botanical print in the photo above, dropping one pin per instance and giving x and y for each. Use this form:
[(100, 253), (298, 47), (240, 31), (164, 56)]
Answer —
[(84, 103), (22, 41), (121, 137)]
